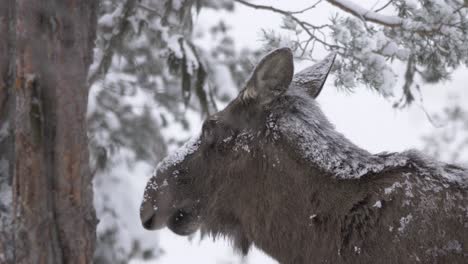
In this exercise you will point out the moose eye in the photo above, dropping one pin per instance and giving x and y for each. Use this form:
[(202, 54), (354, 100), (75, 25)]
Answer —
[(208, 127), (183, 181)]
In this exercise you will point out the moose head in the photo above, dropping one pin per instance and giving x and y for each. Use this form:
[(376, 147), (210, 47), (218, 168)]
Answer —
[(204, 180), (270, 169)]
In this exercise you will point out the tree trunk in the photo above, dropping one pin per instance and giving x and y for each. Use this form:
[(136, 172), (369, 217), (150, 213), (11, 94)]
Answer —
[(46, 204)]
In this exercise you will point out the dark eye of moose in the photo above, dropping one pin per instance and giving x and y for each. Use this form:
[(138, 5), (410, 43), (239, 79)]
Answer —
[(183, 180), (208, 129)]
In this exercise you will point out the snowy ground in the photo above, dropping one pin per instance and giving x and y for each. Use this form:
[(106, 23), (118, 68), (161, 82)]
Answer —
[(364, 117)]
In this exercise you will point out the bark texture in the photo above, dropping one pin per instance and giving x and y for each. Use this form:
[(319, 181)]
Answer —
[(6, 140), (44, 61)]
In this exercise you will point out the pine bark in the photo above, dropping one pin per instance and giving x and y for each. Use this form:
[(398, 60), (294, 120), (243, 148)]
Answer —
[(46, 202)]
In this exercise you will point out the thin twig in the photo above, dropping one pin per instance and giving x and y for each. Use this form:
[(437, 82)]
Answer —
[(147, 8), (302, 24), (384, 6), (305, 9)]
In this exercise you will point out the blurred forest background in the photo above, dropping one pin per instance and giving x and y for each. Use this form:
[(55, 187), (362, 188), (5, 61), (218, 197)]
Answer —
[(161, 66)]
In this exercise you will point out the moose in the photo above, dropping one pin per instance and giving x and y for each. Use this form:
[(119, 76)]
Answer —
[(270, 170)]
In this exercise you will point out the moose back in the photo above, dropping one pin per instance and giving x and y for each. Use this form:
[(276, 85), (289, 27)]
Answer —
[(271, 170)]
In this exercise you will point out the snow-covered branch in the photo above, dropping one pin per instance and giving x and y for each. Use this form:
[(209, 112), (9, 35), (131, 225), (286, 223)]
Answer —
[(367, 15), (121, 15)]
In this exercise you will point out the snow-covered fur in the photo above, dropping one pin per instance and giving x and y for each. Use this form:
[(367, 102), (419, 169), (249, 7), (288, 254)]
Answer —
[(270, 170), (300, 117)]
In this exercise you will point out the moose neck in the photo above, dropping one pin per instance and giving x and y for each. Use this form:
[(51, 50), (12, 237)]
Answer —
[(315, 139)]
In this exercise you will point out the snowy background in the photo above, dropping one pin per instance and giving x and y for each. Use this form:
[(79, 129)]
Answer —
[(364, 116)]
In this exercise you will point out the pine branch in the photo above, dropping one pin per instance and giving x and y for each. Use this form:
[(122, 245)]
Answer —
[(367, 15), (117, 38)]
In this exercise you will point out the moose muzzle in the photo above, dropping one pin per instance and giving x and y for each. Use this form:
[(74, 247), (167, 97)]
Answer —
[(152, 217)]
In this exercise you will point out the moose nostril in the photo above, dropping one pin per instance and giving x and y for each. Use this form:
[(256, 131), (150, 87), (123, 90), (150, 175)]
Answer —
[(148, 223)]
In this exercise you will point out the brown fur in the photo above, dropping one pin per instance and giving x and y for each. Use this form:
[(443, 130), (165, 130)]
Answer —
[(245, 179)]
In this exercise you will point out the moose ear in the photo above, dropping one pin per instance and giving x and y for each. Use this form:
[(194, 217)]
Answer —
[(313, 78), (271, 77)]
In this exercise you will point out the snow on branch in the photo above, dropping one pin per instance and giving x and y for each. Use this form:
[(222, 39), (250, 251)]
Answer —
[(120, 16), (367, 15)]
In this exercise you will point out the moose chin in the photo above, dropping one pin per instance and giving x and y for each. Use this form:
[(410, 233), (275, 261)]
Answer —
[(271, 170)]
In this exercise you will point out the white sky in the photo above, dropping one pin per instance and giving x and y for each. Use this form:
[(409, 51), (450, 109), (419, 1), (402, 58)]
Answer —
[(364, 117)]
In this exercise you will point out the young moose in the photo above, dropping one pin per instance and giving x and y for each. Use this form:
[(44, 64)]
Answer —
[(270, 170)]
